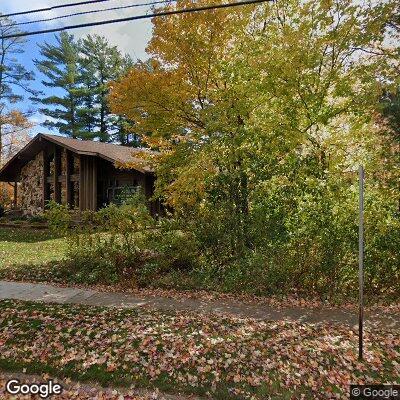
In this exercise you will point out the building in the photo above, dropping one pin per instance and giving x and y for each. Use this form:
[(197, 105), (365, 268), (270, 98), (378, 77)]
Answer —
[(86, 175)]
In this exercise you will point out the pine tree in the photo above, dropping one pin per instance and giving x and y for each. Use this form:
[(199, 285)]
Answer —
[(101, 64), (81, 72), (60, 64)]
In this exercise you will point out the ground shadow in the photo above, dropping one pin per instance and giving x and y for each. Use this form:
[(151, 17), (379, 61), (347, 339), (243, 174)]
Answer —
[(27, 235)]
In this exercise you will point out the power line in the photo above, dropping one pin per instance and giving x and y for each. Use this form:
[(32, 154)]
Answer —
[(136, 17), (88, 12), (52, 8)]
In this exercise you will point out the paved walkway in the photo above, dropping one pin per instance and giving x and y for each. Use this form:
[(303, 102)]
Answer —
[(63, 295)]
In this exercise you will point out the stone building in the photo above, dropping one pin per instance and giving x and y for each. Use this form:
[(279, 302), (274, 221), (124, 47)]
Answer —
[(85, 175)]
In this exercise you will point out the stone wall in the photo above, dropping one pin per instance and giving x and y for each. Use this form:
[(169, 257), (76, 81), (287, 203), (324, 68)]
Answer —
[(31, 187), (30, 190), (51, 186), (63, 171)]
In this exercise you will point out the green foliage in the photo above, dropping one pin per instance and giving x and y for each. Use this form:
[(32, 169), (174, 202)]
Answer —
[(123, 244), (81, 70), (15, 81), (100, 64), (13, 75), (382, 243), (171, 250), (261, 128), (60, 66), (262, 116), (106, 245), (58, 217), (37, 218)]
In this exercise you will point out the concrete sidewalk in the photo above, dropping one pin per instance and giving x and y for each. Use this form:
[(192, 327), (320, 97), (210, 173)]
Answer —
[(63, 295)]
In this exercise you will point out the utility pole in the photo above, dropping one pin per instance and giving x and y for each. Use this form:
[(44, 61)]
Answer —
[(361, 262)]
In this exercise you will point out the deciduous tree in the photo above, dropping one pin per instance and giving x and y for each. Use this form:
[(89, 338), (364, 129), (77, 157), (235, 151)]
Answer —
[(14, 77), (280, 96)]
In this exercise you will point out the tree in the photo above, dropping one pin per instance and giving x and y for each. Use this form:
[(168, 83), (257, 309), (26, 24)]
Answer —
[(390, 137), (60, 65), (279, 96), (15, 134), (16, 127), (14, 78), (101, 63), (182, 99), (80, 71)]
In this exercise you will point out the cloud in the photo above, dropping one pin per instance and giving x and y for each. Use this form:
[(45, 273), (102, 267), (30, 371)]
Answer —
[(131, 37)]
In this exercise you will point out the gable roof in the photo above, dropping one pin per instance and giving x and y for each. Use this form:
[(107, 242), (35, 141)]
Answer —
[(110, 152)]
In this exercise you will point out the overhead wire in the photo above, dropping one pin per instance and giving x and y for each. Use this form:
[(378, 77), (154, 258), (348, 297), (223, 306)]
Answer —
[(136, 17), (38, 10), (153, 3)]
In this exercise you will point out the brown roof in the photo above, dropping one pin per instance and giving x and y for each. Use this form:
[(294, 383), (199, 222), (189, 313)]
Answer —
[(110, 152)]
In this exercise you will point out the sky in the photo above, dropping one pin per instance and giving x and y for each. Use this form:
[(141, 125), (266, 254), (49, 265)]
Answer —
[(130, 37)]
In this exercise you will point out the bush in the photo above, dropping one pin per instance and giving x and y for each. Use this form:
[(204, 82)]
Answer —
[(303, 240), (124, 244), (107, 246), (2, 211), (38, 219), (59, 217), (300, 238), (170, 250)]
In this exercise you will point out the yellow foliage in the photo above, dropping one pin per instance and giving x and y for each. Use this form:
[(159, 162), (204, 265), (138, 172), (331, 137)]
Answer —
[(238, 93), (166, 96), (14, 133)]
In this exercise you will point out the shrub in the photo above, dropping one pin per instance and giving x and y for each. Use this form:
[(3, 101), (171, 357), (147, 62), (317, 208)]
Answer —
[(38, 218), (303, 240), (300, 238), (59, 217), (2, 211), (107, 246), (169, 249)]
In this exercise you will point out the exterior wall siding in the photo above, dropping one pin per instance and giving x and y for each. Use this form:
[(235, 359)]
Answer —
[(31, 187)]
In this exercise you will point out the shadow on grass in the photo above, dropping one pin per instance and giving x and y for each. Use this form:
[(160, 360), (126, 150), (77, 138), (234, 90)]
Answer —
[(53, 271), (26, 235)]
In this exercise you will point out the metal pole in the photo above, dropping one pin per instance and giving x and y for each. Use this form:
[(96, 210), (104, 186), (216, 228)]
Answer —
[(361, 263)]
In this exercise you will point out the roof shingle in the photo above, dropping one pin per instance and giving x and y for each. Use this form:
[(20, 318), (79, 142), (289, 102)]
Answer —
[(110, 152)]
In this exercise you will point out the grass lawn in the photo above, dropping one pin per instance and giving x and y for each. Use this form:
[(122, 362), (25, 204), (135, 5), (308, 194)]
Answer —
[(29, 246), (214, 356)]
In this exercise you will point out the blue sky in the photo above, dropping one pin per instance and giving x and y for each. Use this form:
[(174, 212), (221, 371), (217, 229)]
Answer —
[(130, 37)]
